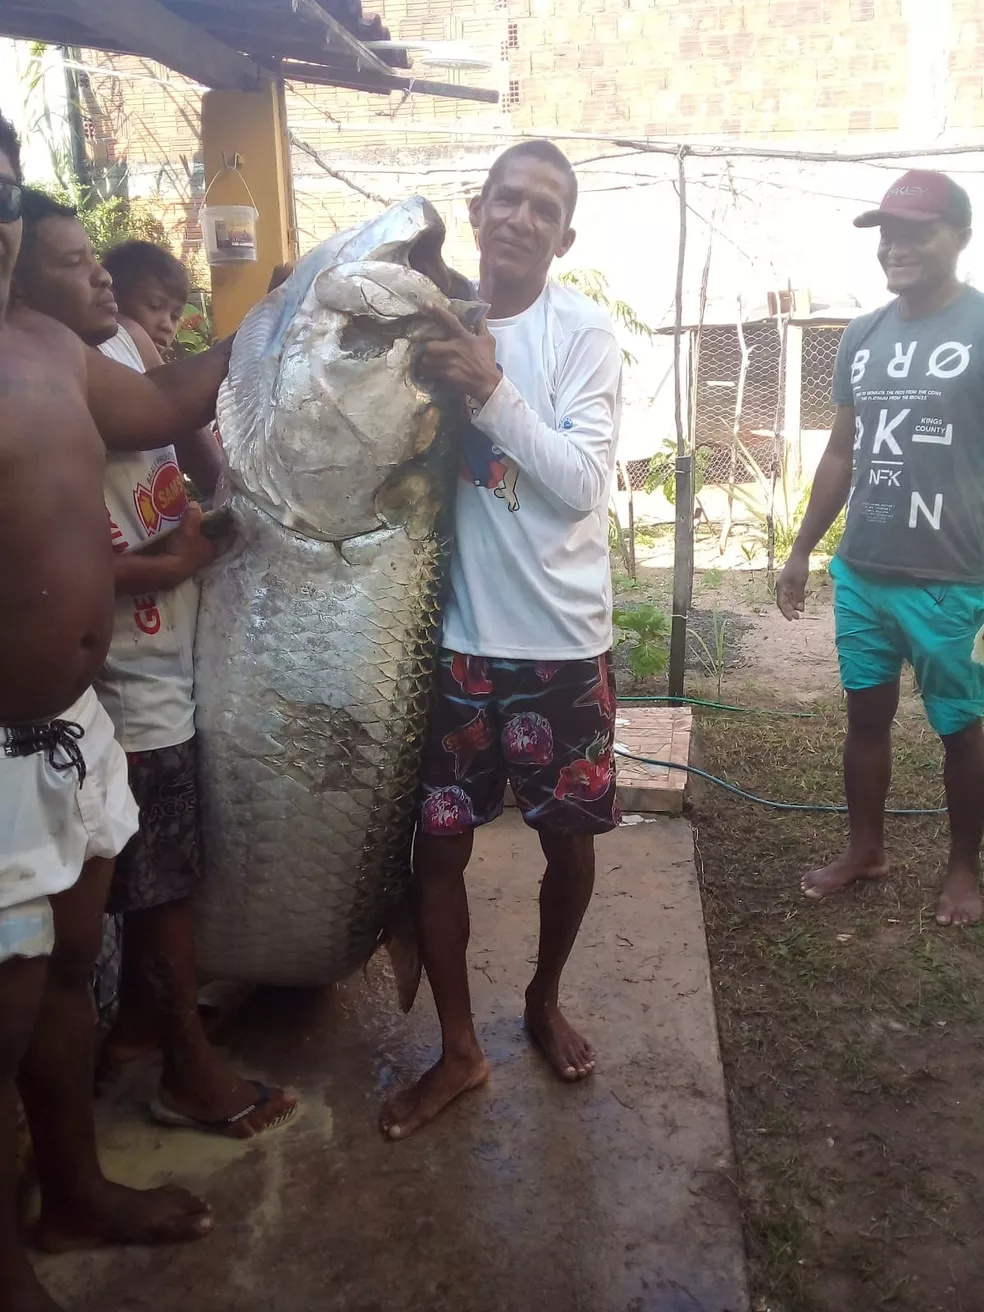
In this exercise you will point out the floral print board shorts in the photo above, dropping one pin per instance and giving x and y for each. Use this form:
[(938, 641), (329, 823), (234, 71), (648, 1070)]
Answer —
[(548, 729)]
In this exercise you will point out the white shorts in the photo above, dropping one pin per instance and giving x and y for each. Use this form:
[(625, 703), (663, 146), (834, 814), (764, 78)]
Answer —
[(50, 824)]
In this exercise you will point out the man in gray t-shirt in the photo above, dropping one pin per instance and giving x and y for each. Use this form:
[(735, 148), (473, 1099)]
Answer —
[(906, 455)]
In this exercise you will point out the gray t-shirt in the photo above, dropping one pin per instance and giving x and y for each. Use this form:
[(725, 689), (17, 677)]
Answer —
[(916, 508)]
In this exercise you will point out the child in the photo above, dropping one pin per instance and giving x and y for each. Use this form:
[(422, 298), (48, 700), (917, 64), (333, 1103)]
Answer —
[(152, 288)]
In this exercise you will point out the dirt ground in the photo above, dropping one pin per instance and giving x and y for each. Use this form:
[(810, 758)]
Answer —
[(851, 1030)]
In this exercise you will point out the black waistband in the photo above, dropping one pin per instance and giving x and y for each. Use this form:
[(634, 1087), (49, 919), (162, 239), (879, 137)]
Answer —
[(58, 739)]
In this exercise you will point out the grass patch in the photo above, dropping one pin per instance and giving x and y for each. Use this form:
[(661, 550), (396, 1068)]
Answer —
[(852, 1030)]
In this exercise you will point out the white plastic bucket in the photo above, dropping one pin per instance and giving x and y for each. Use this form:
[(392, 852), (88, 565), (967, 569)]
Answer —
[(230, 233)]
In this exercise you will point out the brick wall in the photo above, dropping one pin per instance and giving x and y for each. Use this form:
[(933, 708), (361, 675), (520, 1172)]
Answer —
[(812, 73), (780, 69)]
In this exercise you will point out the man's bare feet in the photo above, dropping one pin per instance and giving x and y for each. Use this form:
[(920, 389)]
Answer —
[(447, 1079), (846, 870), (570, 1056), (114, 1214), (960, 901)]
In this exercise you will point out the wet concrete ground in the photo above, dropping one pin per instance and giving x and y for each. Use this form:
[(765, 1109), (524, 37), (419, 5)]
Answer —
[(528, 1196)]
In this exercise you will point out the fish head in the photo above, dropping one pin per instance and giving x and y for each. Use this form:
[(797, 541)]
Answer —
[(324, 412)]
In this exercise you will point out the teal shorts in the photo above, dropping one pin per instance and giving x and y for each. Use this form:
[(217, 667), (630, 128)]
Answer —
[(881, 624)]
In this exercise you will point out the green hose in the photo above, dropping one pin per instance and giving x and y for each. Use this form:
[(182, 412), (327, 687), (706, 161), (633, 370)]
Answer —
[(764, 801)]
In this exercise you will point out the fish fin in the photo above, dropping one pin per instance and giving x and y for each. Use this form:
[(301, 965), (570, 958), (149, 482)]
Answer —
[(408, 499), (404, 954), (245, 397)]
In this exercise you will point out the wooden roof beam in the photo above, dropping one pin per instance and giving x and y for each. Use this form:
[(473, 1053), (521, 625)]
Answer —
[(146, 28), (378, 83), (339, 37)]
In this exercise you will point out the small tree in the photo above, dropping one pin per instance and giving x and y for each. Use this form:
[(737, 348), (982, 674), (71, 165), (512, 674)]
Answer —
[(594, 285)]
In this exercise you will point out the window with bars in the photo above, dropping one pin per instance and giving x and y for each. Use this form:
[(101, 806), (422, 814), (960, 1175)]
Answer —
[(512, 92), (512, 36)]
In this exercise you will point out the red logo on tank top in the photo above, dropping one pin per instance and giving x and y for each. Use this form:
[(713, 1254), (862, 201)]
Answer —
[(164, 501), (146, 615), (118, 541)]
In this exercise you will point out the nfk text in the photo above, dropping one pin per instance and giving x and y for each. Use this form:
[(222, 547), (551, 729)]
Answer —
[(946, 361)]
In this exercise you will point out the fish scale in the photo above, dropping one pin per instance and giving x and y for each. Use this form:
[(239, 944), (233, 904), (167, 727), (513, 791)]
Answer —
[(315, 652)]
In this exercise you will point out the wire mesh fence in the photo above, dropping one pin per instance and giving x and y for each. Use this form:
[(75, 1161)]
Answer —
[(820, 345), (740, 401)]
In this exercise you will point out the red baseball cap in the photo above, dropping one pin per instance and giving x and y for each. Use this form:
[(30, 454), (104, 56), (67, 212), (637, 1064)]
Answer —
[(921, 195)]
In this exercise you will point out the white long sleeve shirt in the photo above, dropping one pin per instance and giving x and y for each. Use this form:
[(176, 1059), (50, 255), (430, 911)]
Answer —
[(530, 575)]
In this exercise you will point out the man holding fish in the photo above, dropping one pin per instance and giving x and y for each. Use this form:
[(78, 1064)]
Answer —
[(525, 690), (147, 688)]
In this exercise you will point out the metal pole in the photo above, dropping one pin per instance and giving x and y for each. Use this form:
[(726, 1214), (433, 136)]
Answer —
[(632, 540), (683, 544)]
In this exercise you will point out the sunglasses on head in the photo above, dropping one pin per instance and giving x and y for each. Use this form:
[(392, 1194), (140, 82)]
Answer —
[(11, 201)]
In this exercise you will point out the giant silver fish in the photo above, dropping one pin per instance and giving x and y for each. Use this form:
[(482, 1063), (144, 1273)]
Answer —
[(317, 634)]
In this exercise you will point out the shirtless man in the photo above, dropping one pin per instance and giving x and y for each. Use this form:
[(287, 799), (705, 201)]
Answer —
[(65, 808), (525, 689), (147, 686)]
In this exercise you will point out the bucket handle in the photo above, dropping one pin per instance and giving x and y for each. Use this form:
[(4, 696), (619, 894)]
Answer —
[(234, 167)]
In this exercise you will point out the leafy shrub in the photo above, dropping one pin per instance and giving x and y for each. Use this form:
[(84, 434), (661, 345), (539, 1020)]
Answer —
[(646, 630)]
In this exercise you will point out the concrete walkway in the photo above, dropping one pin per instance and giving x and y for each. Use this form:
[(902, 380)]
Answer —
[(528, 1196)]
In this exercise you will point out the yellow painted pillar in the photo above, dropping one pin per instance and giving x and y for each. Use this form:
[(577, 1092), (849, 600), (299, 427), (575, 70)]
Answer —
[(252, 125)]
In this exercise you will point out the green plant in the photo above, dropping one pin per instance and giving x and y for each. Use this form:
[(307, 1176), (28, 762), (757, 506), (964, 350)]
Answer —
[(108, 222), (786, 526), (42, 128), (593, 284), (662, 470), (646, 629), (195, 333), (831, 540), (715, 652)]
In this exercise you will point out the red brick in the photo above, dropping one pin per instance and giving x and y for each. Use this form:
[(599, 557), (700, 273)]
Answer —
[(566, 58), (590, 56), (784, 13), (968, 88), (708, 19), (717, 45)]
